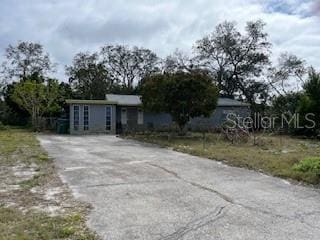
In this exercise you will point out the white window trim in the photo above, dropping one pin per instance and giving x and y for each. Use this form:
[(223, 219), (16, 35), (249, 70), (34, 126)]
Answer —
[(124, 118), (105, 117), (88, 117)]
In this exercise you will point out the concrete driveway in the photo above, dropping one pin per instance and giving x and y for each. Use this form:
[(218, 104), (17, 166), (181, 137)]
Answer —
[(140, 191)]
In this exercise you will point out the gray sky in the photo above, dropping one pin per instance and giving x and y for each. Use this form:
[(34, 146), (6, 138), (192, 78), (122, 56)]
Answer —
[(66, 27)]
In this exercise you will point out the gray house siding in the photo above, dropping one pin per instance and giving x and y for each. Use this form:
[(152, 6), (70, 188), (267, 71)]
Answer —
[(218, 117), (135, 120), (150, 120), (132, 117), (157, 120), (97, 119)]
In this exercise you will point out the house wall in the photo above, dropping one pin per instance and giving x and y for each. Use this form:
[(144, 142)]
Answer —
[(218, 117), (97, 119), (151, 121), (158, 121)]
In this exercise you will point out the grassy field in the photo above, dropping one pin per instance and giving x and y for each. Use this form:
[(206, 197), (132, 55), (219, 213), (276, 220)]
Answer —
[(275, 155), (34, 203)]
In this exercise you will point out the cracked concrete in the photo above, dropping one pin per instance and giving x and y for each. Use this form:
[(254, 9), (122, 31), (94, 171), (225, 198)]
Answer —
[(140, 191)]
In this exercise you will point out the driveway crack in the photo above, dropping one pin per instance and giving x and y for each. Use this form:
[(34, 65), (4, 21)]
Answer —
[(196, 224), (230, 200), (221, 195), (124, 183)]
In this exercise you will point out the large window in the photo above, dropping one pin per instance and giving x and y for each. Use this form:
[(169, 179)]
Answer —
[(140, 116), (85, 118), (76, 117), (108, 118)]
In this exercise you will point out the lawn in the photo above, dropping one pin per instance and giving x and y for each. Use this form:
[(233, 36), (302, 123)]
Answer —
[(272, 154), (34, 203)]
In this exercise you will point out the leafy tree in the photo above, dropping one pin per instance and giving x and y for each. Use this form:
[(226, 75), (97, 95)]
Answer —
[(310, 102), (182, 95), (127, 66), (178, 62), (234, 58), (305, 102), (257, 95), (26, 59), (12, 113), (288, 75), (36, 98), (286, 103), (285, 106), (89, 77)]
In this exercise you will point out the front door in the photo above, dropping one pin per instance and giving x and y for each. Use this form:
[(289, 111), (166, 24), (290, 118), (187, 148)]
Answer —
[(132, 115)]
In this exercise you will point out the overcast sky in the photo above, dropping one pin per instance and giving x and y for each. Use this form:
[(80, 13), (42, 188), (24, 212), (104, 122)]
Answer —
[(66, 27)]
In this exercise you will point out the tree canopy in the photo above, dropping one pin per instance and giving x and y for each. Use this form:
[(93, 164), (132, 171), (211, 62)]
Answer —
[(24, 60), (287, 75), (234, 58), (128, 66), (37, 98), (182, 95), (88, 77)]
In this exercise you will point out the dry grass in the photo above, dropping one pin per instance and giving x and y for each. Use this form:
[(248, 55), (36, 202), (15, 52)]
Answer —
[(275, 155), (27, 178)]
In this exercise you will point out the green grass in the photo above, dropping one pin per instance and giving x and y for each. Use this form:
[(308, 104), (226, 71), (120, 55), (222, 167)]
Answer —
[(20, 147), (271, 154), (310, 165), (15, 225)]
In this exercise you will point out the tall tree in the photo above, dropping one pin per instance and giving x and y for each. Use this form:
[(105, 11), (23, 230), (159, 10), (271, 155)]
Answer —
[(310, 101), (127, 66), (288, 75), (182, 95), (177, 62), (26, 59), (89, 77), (37, 98), (234, 58)]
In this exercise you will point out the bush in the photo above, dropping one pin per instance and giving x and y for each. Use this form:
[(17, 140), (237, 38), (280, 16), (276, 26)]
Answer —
[(2, 126), (309, 165)]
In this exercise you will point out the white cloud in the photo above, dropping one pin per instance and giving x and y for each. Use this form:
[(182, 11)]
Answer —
[(67, 27)]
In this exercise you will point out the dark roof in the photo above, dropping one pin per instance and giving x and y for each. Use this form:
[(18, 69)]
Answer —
[(125, 100), (228, 102), (90, 102), (135, 100)]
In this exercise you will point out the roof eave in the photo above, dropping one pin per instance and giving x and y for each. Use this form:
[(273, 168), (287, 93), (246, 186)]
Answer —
[(90, 102)]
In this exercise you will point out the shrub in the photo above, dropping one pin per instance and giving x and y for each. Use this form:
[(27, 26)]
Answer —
[(309, 165), (2, 126)]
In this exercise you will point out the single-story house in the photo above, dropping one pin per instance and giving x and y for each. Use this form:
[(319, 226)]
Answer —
[(124, 112)]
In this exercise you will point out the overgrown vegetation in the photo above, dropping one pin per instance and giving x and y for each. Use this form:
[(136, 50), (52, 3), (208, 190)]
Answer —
[(310, 165), (271, 154), (237, 61), (27, 176), (182, 95), (304, 105), (16, 225)]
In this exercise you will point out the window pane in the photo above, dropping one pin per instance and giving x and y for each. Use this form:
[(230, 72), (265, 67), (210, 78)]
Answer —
[(108, 118), (85, 118), (76, 118)]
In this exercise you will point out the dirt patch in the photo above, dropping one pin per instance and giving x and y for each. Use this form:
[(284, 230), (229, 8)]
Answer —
[(28, 188), (32, 193)]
